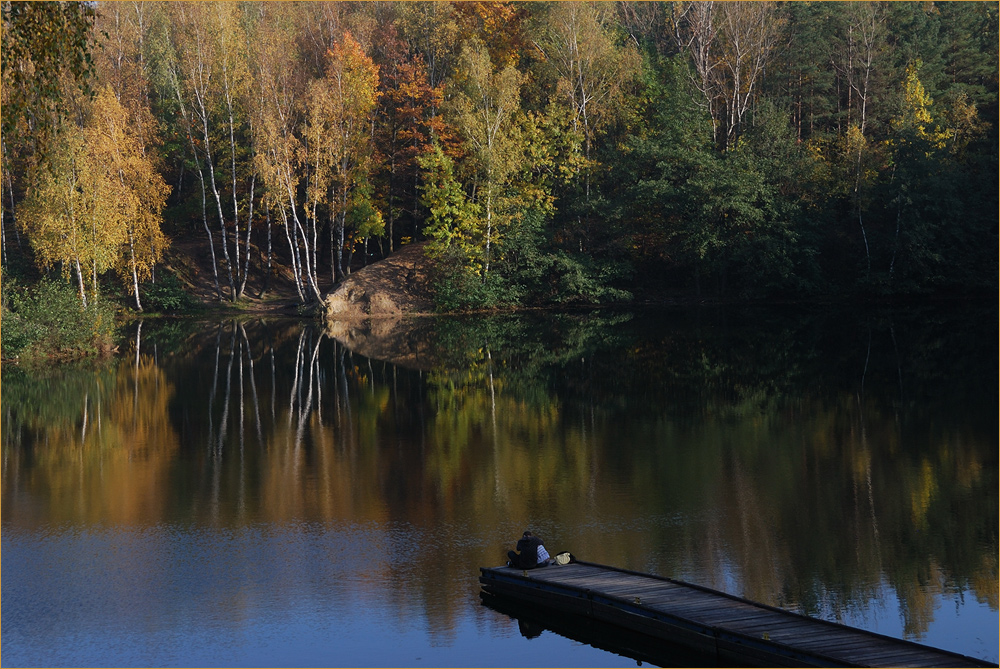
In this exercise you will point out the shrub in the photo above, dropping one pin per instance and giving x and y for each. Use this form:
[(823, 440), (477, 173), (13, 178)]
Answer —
[(167, 295), (458, 288), (582, 280), (48, 319)]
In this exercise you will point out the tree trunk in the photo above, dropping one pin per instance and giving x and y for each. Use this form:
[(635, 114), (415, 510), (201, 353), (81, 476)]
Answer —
[(201, 180), (79, 279), (309, 270), (489, 230), (895, 241), (135, 273), (864, 236), (218, 205), (246, 269), (267, 272), (211, 239), (333, 251), (392, 183), (340, 245), (293, 249), (236, 210)]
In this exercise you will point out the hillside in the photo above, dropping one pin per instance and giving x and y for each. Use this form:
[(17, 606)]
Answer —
[(391, 287)]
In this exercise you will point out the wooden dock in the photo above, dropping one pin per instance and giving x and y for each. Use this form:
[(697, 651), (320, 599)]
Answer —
[(709, 622)]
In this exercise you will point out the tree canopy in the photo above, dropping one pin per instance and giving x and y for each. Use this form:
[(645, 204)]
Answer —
[(550, 152)]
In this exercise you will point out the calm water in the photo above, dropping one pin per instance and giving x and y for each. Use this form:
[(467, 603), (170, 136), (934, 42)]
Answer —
[(258, 494)]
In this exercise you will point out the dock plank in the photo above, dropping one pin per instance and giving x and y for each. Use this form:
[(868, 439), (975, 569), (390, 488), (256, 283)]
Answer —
[(772, 627), (730, 617), (887, 655), (704, 618), (801, 630), (692, 599)]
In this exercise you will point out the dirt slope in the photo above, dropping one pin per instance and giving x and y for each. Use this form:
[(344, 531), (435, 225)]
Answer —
[(393, 287), (191, 261)]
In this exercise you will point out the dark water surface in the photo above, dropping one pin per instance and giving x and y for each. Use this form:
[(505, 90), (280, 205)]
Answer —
[(258, 494)]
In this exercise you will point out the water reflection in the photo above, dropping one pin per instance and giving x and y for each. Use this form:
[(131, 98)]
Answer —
[(841, 466), (532, 622)]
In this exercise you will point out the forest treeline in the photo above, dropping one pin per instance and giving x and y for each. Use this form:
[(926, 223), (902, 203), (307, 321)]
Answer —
[(548, 152)]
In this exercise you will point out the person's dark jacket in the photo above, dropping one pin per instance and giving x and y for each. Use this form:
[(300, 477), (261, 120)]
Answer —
[(528, 548)]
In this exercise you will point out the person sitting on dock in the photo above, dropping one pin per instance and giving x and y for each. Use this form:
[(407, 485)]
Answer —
[(530, 553)]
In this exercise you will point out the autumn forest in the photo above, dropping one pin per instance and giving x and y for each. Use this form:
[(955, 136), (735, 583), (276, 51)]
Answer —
[(717, 288), (547, 153)]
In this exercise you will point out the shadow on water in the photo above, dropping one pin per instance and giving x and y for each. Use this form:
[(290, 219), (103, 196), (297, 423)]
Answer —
[(532, 622)]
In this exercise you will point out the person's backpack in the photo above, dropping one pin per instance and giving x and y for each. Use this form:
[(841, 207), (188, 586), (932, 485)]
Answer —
[(564, 558)]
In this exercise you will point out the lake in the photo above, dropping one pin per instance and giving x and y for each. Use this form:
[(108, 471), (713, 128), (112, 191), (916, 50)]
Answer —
[(272, 493)]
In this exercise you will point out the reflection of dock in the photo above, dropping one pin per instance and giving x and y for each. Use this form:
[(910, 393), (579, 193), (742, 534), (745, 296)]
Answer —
[(732, 629), (532, 621)]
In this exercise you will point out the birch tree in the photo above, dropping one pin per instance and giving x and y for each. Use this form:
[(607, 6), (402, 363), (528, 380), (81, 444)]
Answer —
[(352, 81), (126, 130), (45, 50), (278, 84), (72, 218), (749, 33), (484, 106), (693, 30), (729, 44), (139, 191), (178, 75), (233, 92), (98, 201), (861, 45), (209, 71), (592, 70)]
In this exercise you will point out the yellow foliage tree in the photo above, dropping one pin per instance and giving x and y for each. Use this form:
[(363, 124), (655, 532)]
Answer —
[(916, 115), (141, 191), (337, 130), (97, 202), (484, 107), (70, 216)]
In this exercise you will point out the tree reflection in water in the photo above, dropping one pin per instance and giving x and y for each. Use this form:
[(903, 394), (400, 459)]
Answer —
[(828, 463)]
